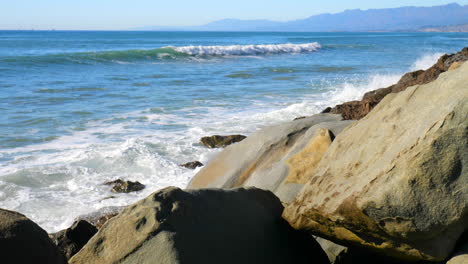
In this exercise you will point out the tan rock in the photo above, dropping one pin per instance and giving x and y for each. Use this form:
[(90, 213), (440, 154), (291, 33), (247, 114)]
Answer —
[(274, 158), (455, 65), (397, 180), (202, 226)]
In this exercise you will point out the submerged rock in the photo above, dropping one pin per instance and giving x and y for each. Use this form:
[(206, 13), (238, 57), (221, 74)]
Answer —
[(355, 110), (72, 239), (23, 242), (204, 226), (192, 165), (396, 181), (274, 158), (218, 141), (121, 186)]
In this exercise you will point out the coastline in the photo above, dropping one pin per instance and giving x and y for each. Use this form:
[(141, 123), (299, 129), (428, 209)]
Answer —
[(302, 142)]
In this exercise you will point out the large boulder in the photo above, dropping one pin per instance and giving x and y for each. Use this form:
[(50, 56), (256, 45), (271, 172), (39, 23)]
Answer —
[(23, 242), (72, 239), (355, 110), (275, 158), (202, 226), (397, 180)]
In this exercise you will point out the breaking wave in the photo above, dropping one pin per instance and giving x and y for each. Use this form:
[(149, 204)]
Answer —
[(241, 50), (163, 54)]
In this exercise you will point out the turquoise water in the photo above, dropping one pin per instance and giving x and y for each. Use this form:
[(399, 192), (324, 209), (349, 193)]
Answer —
[(80, 108)]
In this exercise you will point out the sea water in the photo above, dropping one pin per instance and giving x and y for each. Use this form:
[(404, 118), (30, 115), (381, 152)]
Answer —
[(78, 109)]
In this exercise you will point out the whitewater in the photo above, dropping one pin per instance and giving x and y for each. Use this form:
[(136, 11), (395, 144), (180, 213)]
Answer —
[(138, 118)]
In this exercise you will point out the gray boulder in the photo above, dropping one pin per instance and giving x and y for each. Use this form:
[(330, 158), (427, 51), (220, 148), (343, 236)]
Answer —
[(201, 226)]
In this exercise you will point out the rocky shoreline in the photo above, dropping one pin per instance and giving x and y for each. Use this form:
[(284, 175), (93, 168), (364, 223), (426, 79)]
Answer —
[(380, 180)]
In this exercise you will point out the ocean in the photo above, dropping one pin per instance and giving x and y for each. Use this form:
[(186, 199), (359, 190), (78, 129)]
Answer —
[(79, 108)]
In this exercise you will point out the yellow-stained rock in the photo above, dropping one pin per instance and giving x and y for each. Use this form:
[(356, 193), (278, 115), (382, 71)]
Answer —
[(305, 161)]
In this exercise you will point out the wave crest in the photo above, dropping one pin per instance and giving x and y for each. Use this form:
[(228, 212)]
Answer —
[(240, 50)]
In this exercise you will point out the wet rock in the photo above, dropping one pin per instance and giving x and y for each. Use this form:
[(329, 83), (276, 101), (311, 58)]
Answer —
[(218, 141), (72, 239), (355, 110), (121, 186), (23, 242), (396, 181), (192, 165), (204, 226)]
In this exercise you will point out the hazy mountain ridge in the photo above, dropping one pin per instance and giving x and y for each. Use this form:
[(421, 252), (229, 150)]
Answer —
[(454, 28), (388, 19)]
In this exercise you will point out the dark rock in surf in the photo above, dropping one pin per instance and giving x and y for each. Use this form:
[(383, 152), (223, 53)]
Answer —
[(192, 165), (120, 186), (218, 141)]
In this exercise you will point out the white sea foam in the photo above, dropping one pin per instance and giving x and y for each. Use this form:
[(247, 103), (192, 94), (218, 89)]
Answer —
[(426, 61), (54, 182), (240, 50)]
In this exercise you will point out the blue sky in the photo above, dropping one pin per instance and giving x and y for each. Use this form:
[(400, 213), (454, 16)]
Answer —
[(126, 14)]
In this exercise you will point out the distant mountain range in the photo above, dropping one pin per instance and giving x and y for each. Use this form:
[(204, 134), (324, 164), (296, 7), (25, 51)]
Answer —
[(388, 19)]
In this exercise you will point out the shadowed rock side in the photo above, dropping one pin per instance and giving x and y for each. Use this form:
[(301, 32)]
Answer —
[(203, 226), (404, 192), (218, 141), (23, 242), (72, 239), (275, 158), (355, 110)]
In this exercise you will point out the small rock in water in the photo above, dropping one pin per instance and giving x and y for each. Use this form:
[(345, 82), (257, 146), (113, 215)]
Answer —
[(218, 141), (192, 165), (72, 239), (121, 186)]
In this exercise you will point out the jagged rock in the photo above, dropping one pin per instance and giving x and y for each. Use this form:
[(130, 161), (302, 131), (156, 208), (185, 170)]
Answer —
[(192, 165), (274, 158), (203, 226), (355, 110), (23, 242), (120, 186), (99, 218), (397, 180), (72, 239), (218, 141)]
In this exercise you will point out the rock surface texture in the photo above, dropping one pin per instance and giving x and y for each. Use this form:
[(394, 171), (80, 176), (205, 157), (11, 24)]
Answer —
[(355, 110), (72, 239), (397, 180), (203, 226), (24, 242), (275, 158), (218, 141)]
